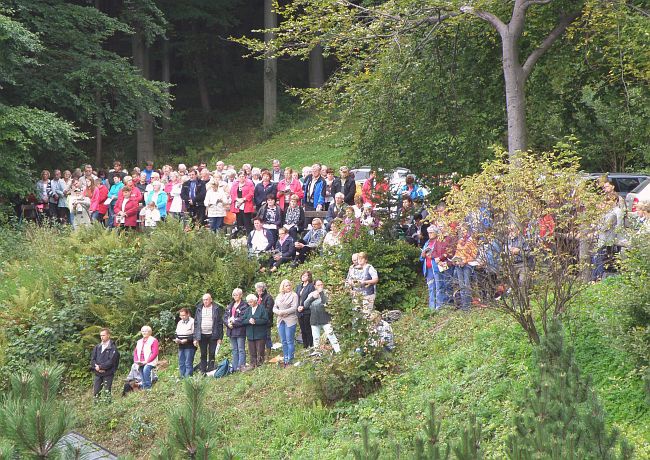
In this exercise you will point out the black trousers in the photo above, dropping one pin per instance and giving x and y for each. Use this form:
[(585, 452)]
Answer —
[(102, 382), (245, 221), (208, 346), (256, 350), (198, 214), (305, 331)]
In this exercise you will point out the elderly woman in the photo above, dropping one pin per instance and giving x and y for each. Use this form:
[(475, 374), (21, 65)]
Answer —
[(233, 318), (294, 217), (241, 202), (288, 187), (79, 206), (320, 319), (145, 355), (256, 319), (217, 202), (286, 304), (174, 198), (158, 196), (266, 300)]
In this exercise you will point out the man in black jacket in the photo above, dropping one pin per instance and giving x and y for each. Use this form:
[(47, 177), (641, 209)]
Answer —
[(208, 330), (348, 185), (266, 300), (103, 362), (193, 194)]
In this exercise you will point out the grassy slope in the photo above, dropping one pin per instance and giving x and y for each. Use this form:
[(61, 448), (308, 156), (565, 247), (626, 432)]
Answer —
[(477, 362), (304, 143)]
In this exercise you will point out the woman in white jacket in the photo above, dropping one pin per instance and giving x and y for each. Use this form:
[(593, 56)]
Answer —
[(217, 203), (79, 206), (176, 206)]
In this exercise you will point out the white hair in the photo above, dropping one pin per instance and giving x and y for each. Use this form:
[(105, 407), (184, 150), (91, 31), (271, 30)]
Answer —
[(237, 291), (251, 298)]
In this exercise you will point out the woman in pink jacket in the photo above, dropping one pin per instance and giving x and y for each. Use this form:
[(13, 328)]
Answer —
[(145, 355), (287, 187), (97, 207), (241, 202)]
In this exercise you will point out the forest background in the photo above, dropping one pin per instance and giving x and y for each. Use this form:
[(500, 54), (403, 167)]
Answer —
[(95, 81)]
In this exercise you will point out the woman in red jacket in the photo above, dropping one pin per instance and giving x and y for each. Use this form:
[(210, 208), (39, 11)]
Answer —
[(241, 202), (126, 209), (97, 207)]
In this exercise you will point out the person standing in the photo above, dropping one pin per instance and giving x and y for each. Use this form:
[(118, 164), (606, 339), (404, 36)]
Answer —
[(276, 172), (314, 190), (241, 202), (286, 304), (303, 290), (348, 186), (104, 362), (363, 280), (193, 194), (184, 340), (236, 329), (266, 300), (208, 330), (256, 320), (320, 319)]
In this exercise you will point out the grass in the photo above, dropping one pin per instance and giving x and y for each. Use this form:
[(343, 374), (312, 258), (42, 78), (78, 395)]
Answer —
[(297, 144), (465, 363)]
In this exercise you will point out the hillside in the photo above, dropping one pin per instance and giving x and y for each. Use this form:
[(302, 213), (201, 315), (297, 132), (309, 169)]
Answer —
[(475, 362)]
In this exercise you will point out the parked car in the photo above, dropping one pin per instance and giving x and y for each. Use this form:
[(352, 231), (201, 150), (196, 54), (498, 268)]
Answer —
[(635, 196), (623, 183)]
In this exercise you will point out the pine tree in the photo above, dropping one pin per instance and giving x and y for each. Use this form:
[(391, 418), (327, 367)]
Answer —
[(190, 425), (369, 450), (562, 418), (32, 420)]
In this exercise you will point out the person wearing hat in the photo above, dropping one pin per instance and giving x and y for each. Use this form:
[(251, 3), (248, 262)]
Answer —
[(434, 257)]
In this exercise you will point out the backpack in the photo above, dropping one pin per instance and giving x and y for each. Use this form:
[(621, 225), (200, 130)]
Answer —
[(222, 369)]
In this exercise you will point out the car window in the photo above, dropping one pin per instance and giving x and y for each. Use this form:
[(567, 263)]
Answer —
[(641, 186), (360, 175), (626, 184)]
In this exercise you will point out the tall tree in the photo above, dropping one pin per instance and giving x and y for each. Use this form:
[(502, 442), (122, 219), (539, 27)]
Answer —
[(148, 23), (270, 67), (316, 67)]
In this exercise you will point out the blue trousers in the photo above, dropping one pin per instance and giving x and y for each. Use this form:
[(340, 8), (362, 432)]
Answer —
[(186, 361), (215, 223), (438, 285), (464, 276), (238, 352), (288, 336), (146, 376)]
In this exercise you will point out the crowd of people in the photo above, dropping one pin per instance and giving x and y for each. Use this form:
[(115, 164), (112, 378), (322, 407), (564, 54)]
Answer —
[(247, 322), (284, 216)]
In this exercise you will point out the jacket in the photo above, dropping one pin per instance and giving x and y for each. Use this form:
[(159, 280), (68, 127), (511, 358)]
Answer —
[(269, 237), (131, 210), (217, 321), (287, 248), (442, 250), (108, 359), (302, 292), (239, 327), (319, 191), (248, 192), (259, 330), (333, 190), (317, 306), (97, 201), (285, 308), (261, 213), (260, 193), (301, 219), (294, 188), (349, 189), (266, 301), (333, 212), (161, 202), (217, 202), (199, 193)]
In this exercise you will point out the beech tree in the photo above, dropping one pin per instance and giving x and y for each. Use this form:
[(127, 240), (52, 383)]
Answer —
[(358, 34)]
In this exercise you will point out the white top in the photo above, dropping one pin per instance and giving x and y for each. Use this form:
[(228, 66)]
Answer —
[(151, 216), (217, 202), (177, 202), (259, 242), (206, 320)]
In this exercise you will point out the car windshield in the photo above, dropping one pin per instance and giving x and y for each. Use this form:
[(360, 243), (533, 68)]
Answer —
[(626, 184), (361, 174)]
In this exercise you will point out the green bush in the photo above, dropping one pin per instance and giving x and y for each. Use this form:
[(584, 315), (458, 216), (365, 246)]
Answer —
[(632, 296)]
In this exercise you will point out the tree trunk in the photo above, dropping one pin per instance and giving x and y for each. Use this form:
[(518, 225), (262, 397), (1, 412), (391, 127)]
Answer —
[(270, 69), (316, 72), (99, 118), (204, 95), (145, 149), (166, 77), (515, 83)]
